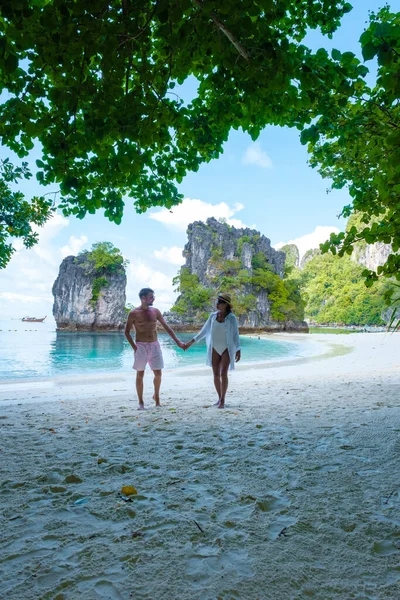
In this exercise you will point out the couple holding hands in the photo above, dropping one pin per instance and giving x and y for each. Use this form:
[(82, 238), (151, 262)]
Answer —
[(220, 331)]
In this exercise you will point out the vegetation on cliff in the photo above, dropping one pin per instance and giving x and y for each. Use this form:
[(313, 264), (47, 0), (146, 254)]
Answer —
[(334, 292), (244, 285), (103, 258)]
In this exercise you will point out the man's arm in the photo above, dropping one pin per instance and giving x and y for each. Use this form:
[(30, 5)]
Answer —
[(128, 327), (169, 330)]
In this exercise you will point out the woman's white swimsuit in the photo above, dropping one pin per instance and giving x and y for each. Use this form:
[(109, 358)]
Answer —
[(219, 341)]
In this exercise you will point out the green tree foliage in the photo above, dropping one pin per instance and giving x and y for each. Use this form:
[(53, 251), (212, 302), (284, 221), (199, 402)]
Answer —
[(393, 313), (129, 307), (292, 255), (194, 297), (259, 261), (286, 303), (104, 257), (284, 295), (92, 84), (16, 214), (356, 143), (334, 291), (98, 284)]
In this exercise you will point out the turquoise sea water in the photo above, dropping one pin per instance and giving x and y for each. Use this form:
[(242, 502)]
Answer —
[(34, 350)]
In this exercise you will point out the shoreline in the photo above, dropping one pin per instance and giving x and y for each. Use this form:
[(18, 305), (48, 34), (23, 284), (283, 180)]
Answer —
[(328, 348), (339, 353)]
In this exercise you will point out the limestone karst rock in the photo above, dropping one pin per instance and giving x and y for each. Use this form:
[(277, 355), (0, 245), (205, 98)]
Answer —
[(292, 255), (216, 252), (371, 256), (73, 308)]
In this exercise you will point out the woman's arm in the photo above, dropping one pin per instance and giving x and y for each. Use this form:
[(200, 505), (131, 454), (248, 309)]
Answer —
[(236, 340), (202, 334)]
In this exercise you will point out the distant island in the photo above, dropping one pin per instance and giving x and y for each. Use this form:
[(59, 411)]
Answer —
[(89, 292), (275, 290), (333, 288), (220, 257), (272, 290)]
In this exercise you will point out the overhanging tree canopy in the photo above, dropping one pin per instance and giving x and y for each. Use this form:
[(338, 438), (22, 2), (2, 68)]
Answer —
[(356, 143), (93, 81)]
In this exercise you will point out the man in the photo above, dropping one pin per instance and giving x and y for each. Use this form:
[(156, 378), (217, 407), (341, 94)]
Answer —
[(146, 346)]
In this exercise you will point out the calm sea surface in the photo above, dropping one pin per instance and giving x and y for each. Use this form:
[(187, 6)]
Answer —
[(29, 350)]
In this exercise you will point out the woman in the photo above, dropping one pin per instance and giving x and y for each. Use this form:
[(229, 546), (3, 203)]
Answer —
[(223, 347)]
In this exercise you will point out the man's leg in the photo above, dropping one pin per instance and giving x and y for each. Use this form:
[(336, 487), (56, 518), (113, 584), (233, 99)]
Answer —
[(157, 384), (224, 366), (215, 362), (139, 388)]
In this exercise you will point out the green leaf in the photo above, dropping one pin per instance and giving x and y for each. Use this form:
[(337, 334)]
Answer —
[(10, 63), (369, 51)]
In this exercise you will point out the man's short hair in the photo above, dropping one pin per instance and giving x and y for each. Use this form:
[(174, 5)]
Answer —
[(144, 292)]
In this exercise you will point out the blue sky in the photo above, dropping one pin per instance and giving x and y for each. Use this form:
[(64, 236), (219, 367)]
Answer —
[(266, 185)]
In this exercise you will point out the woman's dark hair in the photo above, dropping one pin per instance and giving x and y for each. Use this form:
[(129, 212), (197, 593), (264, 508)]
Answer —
[(228, 306)]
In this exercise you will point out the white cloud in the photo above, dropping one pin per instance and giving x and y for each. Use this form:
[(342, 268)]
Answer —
[(171, 255), (140, 274), (74, 246), (51, 229), (255, 155), (31, 272), (311, 240), (191, 210)]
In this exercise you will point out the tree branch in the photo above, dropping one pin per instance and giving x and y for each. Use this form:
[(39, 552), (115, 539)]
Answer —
[(241, 49)]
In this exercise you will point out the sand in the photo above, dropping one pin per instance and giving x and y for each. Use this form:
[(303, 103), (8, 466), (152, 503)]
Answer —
[(291, 492)]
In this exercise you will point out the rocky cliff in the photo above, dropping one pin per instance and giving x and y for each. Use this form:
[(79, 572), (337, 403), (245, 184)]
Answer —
[(243, 263), (205, 238), (87, 300), (371, 256)]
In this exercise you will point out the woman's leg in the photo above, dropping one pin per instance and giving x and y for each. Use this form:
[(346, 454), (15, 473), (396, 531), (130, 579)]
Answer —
[(224, 366), (215, 361)]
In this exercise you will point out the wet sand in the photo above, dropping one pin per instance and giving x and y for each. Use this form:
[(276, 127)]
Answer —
[(291, 492)]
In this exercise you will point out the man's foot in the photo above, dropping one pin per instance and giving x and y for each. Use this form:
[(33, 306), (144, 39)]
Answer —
[(157, 401), (141, 406)]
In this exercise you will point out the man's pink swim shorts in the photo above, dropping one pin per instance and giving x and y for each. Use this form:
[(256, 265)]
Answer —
[(148, 352)]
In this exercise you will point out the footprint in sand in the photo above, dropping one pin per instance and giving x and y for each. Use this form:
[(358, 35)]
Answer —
[(208, 562), (236, 514), (105, 589), (273, 502), (385, 548)]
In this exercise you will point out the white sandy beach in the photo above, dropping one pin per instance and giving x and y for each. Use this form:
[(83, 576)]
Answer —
[(291, 492)]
